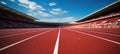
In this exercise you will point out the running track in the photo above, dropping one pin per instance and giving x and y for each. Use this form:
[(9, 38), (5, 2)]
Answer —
[(59, 41)]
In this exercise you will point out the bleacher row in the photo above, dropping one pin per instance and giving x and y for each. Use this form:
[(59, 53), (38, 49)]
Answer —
[(15, 24), (108, 21), (9, 19)]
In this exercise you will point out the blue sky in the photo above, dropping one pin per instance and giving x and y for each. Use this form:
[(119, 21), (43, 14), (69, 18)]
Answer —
[(57, 10)]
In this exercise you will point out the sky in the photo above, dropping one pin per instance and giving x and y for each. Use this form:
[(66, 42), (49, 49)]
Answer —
[(57, 10)]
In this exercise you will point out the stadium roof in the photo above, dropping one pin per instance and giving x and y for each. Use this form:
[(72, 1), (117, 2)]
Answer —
[(16, 12), (107, 9)]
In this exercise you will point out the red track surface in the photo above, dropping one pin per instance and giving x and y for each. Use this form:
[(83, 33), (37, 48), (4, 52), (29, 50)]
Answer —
[(71, 41)]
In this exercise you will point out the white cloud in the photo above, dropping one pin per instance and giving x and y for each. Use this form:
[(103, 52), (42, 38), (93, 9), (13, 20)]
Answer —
[(52, 4), (23, 5), (44, 14), (69, 19), (33, 8), (66, 19), (3, 2), (31, 5), (29, 14), (57, 11), (38, 13), (12, 0)]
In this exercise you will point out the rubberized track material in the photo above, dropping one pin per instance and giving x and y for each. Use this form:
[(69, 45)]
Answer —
[(60, 41)]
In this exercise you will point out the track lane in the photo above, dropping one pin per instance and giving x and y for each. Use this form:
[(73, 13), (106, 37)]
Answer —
[(78, 43), (5, 32), (42, 44), (7, 41), (103, 35), (17, 34), (115, 31)]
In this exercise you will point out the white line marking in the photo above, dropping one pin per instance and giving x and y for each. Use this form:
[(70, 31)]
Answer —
[(57, 44), (96, 37), (16, 34), (104, 33), (23, 40)]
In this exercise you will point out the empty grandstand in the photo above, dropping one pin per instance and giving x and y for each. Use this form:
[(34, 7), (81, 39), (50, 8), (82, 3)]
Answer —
[(107, 17)]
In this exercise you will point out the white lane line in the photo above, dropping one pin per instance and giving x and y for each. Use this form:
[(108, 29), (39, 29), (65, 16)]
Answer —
[(96, 37), (23, 40), (104, 33), (57, 44), (17, 34)]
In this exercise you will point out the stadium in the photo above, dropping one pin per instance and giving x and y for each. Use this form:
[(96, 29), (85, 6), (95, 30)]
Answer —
[(96, 33)]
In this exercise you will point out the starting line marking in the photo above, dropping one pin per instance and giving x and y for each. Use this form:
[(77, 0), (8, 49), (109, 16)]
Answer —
[(57, 43), (23, 40)]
